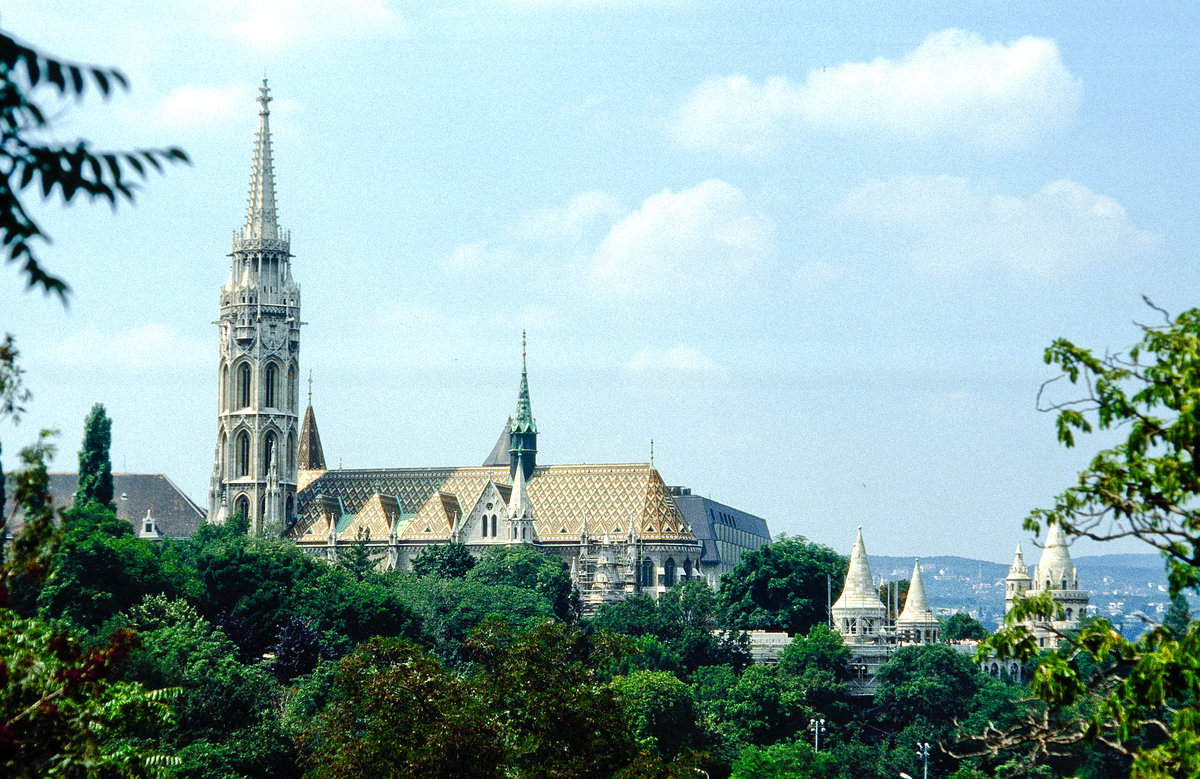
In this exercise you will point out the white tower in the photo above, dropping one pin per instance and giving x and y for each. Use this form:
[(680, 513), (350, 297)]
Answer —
[(859, 614), (257, 413)]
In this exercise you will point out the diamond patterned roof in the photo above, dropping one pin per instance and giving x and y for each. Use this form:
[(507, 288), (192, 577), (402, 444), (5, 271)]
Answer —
[(608, 498)]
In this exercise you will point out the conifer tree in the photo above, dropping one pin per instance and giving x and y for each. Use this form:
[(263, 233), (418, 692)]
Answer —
[(95, 467)]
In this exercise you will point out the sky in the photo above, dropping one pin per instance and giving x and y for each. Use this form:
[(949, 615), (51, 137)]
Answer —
[(814, 251)]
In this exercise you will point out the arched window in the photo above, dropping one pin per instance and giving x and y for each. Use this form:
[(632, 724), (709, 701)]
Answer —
[(243, 454), (221, 455), (493, 525), (483, 527), (268, 450), (1064, 583), (290, 508), (669, 572), (648, 571), (291, 455), (1068, 615), (242, 506), (292, 388), (244, 386), (269, 389), (224, 399)]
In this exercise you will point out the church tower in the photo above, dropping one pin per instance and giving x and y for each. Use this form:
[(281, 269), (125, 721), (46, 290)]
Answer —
[(522, 431), (257, 418)]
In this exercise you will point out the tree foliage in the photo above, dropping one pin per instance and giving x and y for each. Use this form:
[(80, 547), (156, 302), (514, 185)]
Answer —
[(447, 561), (959, 626), (95, 466), (522, 566), (1138, 698), (65, 170), (782, 586)]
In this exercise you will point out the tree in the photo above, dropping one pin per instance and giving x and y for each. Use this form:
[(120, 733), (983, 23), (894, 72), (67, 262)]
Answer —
[(819, 664), (357, 559), (959, 626), (408, 716), (782, 586), (1140, 698), (65, 170), (95, 467), (897, 590), (783, 761), (1178, 616), (521, 566), (449, 561), (662, 710)]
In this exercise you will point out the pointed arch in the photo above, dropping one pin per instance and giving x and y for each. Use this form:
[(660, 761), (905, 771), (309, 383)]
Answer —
[(292, 388), (270, 385), (669, 573), (241, 505), (223, 400), (268, 449), (243, 388), (291, 454), (243, 454)]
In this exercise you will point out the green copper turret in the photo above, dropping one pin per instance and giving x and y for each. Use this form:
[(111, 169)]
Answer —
[(522, 431)]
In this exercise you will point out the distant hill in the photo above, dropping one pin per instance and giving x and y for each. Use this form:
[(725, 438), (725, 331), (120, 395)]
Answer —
[(1120, 584)]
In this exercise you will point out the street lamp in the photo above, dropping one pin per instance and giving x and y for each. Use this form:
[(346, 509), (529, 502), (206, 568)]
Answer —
[(924, 753), (817, 726)]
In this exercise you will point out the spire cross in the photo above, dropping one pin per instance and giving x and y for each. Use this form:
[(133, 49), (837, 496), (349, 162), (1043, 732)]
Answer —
[(310, 387), (522, 349), (651, 452)]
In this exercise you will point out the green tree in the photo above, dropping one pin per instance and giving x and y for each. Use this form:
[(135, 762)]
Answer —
[(521, 566), (95, 467), (449, 561), (819, 666), (782, 586), (357, 559), (1140, 698), (399, 713), (960, 626), (1178, 616), (662, 711), (783, 761), (55, 169), (928, 682)]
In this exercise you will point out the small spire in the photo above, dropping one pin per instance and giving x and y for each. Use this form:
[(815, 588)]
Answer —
[(523, 421), (651, 452), (310, 387), (260, 212)]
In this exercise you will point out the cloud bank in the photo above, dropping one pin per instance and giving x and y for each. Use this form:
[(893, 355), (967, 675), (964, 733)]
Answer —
[(954, 84)]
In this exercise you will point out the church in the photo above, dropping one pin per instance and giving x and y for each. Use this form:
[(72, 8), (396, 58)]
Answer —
[(619, 527)]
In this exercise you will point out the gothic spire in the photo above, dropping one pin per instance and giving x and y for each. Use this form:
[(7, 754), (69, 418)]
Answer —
[(523, 422), (260, 212), (312, 457), (859, 591)]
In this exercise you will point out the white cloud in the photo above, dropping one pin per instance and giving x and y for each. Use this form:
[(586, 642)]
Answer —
[(952, 225), (954, 84), (477, 256), (673, 364), (704, 239), (147, 348), (278, 25), (574, 222)]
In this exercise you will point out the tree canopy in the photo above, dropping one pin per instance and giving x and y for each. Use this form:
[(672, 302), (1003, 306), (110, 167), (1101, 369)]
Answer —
[(782, 586), (1140, 699)]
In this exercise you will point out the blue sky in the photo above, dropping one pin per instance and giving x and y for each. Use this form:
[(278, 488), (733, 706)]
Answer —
[(813, 251)]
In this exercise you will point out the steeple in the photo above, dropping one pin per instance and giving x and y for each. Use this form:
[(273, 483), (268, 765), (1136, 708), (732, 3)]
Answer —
[(858, 613), (522, 431), (260, 212), (916, 621), (312, 456), (1017, 581), (258, 379)]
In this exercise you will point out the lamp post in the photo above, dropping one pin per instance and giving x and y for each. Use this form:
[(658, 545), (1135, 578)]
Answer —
[(923, 751), (817, 726)]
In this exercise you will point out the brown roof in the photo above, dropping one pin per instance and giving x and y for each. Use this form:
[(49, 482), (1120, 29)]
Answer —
[(174, 513), (312, 457), (609, 499)]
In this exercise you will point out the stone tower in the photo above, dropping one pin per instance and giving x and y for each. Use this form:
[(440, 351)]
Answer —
[(859, 615), (1018, 582), (257, 418), (522, 431)]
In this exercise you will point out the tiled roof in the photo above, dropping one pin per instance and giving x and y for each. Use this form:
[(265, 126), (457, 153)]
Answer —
[(312, 456), (609, 499), (175, 515)]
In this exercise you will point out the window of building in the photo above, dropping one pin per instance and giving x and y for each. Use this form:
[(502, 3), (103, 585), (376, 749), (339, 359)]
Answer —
[(268, 450), (269, 390), (244, 386), (243, 453)]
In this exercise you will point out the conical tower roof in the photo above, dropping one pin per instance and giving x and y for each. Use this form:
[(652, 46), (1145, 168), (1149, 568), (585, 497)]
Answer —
[(1019, 571), (523, 421), (500, 454), (260, 212), (1055, 565), (916, 611), (312, 457), (859, 597)]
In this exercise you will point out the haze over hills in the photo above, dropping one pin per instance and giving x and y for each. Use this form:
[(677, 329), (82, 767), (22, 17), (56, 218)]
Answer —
[(1121, 585)]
